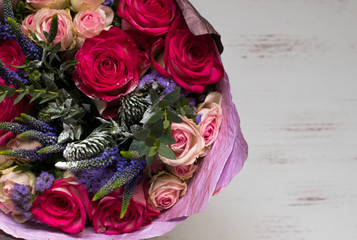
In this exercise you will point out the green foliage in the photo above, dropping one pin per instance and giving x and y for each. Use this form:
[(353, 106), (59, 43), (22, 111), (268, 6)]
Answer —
[(154, 136), (21, 11)]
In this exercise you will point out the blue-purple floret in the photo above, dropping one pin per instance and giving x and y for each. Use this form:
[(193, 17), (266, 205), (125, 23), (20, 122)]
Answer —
[(94, 179), (44, 182), (198, 119), (22, 199), (5, 31), (155, 79), (26, 154), (8, 75)]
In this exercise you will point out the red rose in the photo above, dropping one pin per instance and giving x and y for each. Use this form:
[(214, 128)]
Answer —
[(63, 206), (110, 65), (190, 60), (106, 212), (10, 54), (151, 17)]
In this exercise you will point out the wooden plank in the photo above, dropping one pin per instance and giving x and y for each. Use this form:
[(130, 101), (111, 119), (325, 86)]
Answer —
[(292, 65)]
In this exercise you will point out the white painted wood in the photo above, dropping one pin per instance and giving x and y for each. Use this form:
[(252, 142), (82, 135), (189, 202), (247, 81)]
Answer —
[(293, 68)]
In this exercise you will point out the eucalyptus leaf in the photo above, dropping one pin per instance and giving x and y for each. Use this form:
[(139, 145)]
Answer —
[(158, 114), (2, 97), (165, 151), (173, 96), (142, 134), (173, 117)]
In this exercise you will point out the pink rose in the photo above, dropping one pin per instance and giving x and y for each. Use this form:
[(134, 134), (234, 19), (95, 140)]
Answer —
[(28, 24), (65, 206), (82, 5), (189, 143), (7, 183), (106, 212), (53, 4), (190, 60), (184, 172), (90, 23), (66, 33), (150, 17), (210, 112), (110, 65), (165, 190)]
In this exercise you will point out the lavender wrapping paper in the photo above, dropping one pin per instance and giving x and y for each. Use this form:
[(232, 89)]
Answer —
[(214, 173)]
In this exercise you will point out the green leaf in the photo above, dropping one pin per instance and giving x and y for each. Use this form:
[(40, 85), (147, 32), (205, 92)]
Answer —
[(152, 152), (167, 139), (141, 135), (35, 97), (10, 92), (158, 114), (173, 96), (130, 154), (154, 96), (157, 129), (173, 117), (189, 111), (2, 97), (20, 97), (166, 123), (150, 141), (53, 29), (137, 146), (164, 103), (165, 151)]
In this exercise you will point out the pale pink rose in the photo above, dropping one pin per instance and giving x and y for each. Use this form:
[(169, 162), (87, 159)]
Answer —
[(165, 190), (81, 5), (184, 172), (66, 33), (189, 143), (211, 119), (22, 143), (28, 24), (90, 23), (7, 182), (53, 4)]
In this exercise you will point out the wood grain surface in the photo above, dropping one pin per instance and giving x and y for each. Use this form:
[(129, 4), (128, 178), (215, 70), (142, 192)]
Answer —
[(293, 67)]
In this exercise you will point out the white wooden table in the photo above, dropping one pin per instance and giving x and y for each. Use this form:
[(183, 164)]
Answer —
[(293, 68)]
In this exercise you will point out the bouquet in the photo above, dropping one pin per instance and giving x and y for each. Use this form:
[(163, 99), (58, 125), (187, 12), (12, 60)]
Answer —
[(117, 118)]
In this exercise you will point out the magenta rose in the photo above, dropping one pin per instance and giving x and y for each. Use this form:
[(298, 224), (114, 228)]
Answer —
[(165, 190), (210, 112), (106, 212), (190, 60), (10, 54), (65, 205), (110, 65), (150, 17)]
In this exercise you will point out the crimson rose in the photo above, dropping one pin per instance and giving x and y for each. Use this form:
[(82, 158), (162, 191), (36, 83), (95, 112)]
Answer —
[(11, 55), (152, 17), (63, 206), (190, 60), (110, 65), (106, 212)]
